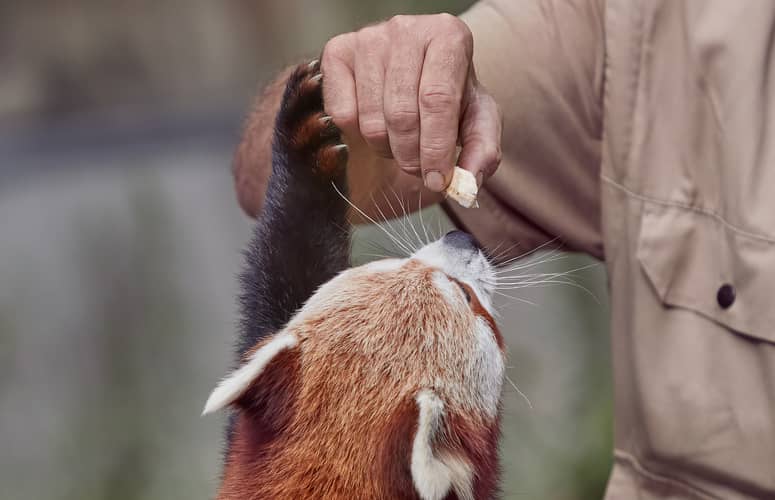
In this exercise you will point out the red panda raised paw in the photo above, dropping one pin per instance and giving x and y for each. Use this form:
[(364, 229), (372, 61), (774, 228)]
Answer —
[(303, 130)]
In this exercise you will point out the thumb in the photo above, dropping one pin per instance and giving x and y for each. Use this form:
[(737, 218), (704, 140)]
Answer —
[(480, 135)]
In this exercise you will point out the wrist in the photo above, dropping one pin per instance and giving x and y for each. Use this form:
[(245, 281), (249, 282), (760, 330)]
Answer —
[(252, 162)]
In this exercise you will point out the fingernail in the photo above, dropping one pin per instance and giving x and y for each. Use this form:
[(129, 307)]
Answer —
[(434, 181), (479, 179)]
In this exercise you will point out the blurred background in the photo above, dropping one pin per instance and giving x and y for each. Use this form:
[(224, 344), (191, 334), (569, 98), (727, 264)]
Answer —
[(120, 239)]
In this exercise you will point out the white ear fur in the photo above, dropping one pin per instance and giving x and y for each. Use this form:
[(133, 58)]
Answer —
[(236, 383), (433, 475)]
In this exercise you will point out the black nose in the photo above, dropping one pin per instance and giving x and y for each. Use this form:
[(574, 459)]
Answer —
[(461, 240)]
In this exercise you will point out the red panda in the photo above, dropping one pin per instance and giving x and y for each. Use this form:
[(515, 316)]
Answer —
[(378, 382)]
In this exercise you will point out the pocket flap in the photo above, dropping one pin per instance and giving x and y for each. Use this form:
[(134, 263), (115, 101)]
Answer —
[(689, 255)]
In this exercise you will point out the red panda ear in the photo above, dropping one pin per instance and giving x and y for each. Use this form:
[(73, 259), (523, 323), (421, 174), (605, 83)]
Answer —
[(434, 470), (232, 388)]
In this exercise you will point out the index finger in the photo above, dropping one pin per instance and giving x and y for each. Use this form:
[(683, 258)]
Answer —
[(339, 97), (442, 85)]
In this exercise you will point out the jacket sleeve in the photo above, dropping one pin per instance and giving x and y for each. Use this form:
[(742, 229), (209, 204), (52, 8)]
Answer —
[(543, 62)]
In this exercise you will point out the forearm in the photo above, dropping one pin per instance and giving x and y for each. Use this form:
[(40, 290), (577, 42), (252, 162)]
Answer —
[(253, 159)]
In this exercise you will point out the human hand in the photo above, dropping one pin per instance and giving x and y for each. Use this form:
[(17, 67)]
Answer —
[(408, 88)]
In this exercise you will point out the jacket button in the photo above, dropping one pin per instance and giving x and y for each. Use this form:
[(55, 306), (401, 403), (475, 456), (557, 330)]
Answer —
[(726, 296)]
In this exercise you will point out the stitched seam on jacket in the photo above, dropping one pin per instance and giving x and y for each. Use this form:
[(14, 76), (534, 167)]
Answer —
[(643, 471), (699, 210), (638, 36)]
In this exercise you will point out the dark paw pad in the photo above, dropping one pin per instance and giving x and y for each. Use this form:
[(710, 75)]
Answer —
[(304, 133)]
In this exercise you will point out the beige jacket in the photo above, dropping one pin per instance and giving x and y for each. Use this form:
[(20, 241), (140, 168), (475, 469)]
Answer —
[(643, 132)]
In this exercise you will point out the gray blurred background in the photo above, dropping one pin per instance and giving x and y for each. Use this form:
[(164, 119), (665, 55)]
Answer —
[(120, 239)]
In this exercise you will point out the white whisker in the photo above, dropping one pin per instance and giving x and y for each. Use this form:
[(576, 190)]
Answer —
[(529, 404), (532, 262), (405, 247), (542, 284), (520, 299), (532, 251), (363, 214), (404, 218), (422, 223), (518, 277)]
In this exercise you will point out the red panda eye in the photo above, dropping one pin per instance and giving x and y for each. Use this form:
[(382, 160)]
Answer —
[(465, 292)]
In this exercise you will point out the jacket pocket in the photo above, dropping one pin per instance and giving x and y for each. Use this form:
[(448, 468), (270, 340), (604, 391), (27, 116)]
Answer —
[(697, 261)]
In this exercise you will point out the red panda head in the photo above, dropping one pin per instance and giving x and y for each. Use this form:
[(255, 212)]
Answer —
[(386, 384)]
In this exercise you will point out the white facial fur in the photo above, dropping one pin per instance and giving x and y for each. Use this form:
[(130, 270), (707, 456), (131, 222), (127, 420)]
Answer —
[(469, 266)]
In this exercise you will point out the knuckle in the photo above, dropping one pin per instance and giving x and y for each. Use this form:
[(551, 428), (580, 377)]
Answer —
[(401, 22), (490, 102), (336, 46), (489, 169), (345, 118), (406, 154), (452, 22), (403, 120), (373, 130), (414, 169), (371, 36), (434, 150), (466, 39), (438, 98), (408, 158), (446, 19), (456, 30), (491, 156)]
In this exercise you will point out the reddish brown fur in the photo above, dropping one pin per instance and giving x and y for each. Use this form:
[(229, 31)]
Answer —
[(306, 132), (335, 417), (480, 444), (480, 311)]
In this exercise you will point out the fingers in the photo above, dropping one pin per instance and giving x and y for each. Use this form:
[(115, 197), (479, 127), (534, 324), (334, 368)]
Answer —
[(401, 109), (369, 84), (406, 87), (339, 95), (440, 98), (480, 135)]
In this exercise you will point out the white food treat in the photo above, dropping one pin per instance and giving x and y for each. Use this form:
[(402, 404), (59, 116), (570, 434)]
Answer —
[(462, 188)]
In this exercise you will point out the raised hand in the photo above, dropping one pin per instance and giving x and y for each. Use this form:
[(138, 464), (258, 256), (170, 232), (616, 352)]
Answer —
[(408, 87)]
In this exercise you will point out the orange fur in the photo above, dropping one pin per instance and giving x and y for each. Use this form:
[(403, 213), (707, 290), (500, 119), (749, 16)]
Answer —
[(480, 311), (335, 416)]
